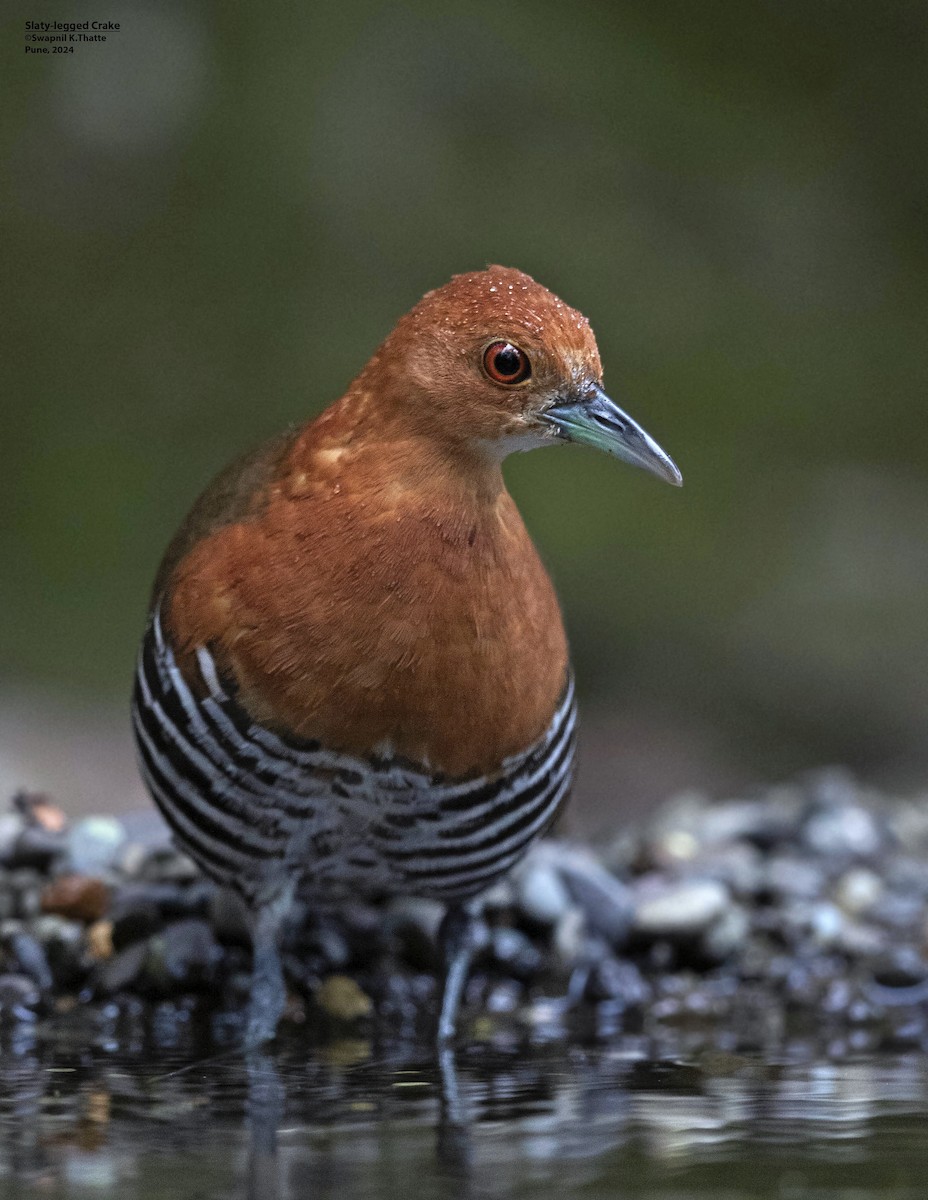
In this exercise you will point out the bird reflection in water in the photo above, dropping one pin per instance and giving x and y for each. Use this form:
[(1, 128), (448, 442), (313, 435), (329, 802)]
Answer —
[(265, 1109)]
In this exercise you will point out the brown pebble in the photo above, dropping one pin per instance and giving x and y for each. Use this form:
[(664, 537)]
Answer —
[(80, 897), (100, 940), (340, 997)]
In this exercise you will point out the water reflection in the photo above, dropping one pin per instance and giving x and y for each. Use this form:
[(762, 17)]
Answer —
[(633, 1119)]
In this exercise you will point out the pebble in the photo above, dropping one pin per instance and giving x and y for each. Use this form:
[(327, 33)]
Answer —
[(606, 902), (341, 997), (37, 847), (843, 831), (858, 890), (788, 875), (19, 999), (11, 826), (29, 955), (183, 957), (100, 940), (78, 896), (680, 909), (512, 950), (122, 972), (415, 922), (93, 844), (540, 893), (64, 944), (728, 934), (744, 917)]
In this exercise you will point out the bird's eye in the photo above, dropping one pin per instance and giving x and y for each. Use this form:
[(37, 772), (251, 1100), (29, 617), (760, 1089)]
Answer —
[(506, 363)]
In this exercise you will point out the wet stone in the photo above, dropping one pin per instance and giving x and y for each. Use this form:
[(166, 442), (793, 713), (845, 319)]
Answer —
[(540, 893), (11, 826), (571, 940), (737, 865), (858, 890), (121, 972), (901, 966), (78, 896), (847, 831), (728, 934), (183, 957), (680, 909), (93, 844), (611, 979), (37, 847), (792, 876), (20, 999), (341, 998), (808, 897), (25, 886), (516, 953), (605, 901), (100, 940), (28, 954), (63, 944), (134, 923), (165, 864), (415, 924)]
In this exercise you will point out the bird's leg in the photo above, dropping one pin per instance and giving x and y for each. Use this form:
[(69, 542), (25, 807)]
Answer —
[(268, 990), (264, 1108), (461, 937), (453, 1143)]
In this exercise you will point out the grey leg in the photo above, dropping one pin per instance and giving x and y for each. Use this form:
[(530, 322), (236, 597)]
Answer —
[(453, 1141), (264, 1109), (268, 990), (461, 937)]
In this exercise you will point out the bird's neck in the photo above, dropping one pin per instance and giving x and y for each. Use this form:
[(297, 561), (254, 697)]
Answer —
[(391, 457)]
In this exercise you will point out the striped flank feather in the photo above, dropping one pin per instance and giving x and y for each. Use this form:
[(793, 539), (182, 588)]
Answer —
[(257, 810)]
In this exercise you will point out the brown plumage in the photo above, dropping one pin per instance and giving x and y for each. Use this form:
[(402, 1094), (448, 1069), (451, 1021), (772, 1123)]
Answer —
[(365, 588)]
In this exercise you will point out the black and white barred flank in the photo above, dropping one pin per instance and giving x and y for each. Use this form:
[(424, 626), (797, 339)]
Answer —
[(260, 812)]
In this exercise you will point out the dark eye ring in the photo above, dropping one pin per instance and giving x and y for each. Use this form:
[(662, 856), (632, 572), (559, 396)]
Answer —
[(506, 363)]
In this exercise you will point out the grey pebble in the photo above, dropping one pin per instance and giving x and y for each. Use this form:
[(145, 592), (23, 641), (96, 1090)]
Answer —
[(611, 979), (605, 901), (849, 831), (94, 843), (28, 953), (728, 934), (794, 877), (184, 956), (858, 890), (539, 891), (19, 999), (515, 952), (11, 826), (65, 948), (680, 909), (121, 972)]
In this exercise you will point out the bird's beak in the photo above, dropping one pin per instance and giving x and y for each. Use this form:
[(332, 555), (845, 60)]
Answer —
[(594, 419)]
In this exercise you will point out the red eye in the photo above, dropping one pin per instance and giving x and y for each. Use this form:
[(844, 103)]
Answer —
[(505, 363)]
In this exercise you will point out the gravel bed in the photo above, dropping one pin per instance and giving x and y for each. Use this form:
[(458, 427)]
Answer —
[(800, 909)]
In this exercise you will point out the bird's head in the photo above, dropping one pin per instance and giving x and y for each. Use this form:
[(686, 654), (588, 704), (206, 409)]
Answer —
[(495, 361)]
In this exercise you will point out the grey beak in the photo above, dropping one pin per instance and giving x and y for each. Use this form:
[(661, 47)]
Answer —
[(596, 420)]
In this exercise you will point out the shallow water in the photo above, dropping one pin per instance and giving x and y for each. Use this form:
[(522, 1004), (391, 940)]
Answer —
[(631, 1119)]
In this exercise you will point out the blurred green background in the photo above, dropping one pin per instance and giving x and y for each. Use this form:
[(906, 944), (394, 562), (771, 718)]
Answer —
[(210, 222)]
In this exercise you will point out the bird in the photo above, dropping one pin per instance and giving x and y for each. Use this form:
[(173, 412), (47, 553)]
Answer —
[(354, 679)]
